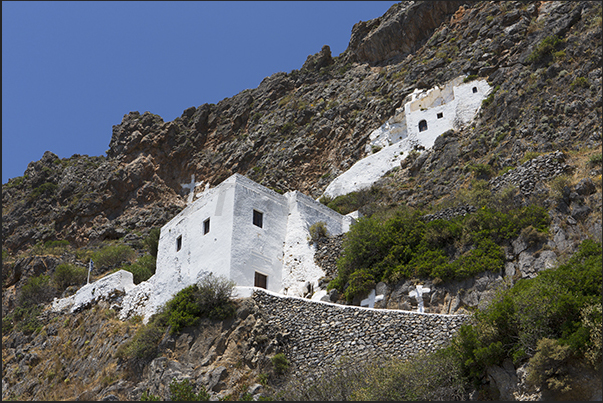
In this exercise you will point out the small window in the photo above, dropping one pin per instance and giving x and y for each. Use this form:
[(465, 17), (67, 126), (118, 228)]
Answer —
[(205, 226), (422, 125), (440, 115), (178, 243), (258, 218), (260, 280), (474, 90)]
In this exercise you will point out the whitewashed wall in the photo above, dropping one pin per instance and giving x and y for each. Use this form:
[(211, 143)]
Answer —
[(254, 248), (456, 101), (199, 253), (299, 267)]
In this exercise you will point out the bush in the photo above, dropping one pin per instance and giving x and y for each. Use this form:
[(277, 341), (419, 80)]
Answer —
[(56, 247), (152, 241), (353, 201), (404, 246), (595, 159), (22, 319), (318, 231), (67, 274), (481, 169), (548, 367), (545, 48), (36, 290), (113, 255), (209, 298), (591, 317), (142, 269), (45, 189), (425, 377), (581, 82), (280, 363), (547, 306), (149, 397), (143, 347), (183, 392)]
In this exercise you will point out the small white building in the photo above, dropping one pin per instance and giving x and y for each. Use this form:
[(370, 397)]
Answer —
[(428, 113), (247, 233), (425, 115)]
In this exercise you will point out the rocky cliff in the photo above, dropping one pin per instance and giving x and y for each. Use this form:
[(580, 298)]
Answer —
[(539, 130)]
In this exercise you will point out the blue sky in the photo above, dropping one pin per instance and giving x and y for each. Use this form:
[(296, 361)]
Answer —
[(72, 70)]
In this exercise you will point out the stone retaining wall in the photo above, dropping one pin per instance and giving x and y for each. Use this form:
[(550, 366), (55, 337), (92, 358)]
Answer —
[(319, 333)]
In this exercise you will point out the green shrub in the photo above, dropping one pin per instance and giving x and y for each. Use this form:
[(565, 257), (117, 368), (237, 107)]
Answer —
[(22, 319), (280, 363), (289, 127), (152, 241), (209, 298), (557, 185), (469, 78), (545, 48), (143, 347), (580, 82), (481, 169), (353, 201), (547, 306), (424, 377), (380, 248), (56, 247), (549, 366), (591, 317), (183, 392), (67, 274), (318, 231), (142, 269), (45, 189), (490, 98), (595, 159), (149, 397), (36, 290), (113, 255)]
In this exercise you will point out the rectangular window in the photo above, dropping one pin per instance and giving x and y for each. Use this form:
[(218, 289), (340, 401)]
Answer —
[(205, 226), (440, 115), (260, 280), (178, 243), (258, 218)]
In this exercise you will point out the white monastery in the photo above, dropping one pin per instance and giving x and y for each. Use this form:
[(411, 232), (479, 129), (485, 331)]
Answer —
[(424, 116), (259, 238)]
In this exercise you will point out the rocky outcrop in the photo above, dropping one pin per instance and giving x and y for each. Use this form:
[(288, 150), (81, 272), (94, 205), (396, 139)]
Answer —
[(399, 32)]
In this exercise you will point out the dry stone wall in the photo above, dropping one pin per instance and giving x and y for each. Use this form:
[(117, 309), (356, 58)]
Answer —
[(318, 334)]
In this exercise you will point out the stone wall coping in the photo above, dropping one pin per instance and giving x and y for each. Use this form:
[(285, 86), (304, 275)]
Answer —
[(251, 290)]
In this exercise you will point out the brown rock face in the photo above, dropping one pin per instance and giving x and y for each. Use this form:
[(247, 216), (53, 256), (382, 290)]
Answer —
[(400, 31)]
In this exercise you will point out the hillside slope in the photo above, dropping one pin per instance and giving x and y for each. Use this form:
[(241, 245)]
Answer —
[(298, 131)]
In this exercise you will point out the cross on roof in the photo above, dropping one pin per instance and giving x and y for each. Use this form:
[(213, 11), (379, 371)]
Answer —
[(418, 294), (191, 187)]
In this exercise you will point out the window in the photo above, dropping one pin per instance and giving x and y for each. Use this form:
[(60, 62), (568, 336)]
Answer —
[(440, 115), (422, 125), (178, 243), (258, 218), (260, 280), (474, 90), (205, 226)]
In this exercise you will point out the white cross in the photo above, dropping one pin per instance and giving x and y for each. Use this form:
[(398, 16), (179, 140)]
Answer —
[(372, 298), (191, 187), (418, 294)]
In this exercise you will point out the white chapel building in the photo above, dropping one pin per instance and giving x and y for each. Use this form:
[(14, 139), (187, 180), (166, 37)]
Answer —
[(245, 232)]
